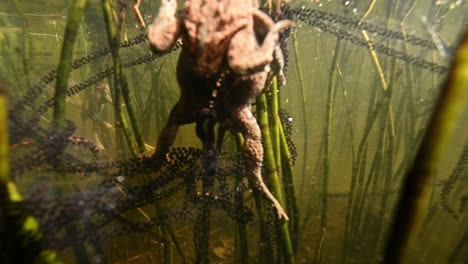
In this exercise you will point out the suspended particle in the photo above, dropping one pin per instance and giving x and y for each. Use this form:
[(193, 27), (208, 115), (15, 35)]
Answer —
[(120, 179)]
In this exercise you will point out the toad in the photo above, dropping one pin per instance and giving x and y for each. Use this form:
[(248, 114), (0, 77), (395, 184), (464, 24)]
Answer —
[(229, 54)]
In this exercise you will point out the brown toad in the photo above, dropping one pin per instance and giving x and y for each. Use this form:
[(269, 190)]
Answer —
[(228, 46)]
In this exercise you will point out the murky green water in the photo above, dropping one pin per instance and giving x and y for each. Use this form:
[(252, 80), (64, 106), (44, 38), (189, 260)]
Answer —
[(356, 104)]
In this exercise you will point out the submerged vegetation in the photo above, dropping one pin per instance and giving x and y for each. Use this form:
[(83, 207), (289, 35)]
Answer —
[(362, 83)]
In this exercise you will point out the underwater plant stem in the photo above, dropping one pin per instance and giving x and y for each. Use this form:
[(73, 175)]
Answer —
[(377, 64), (202, 228), (410, 102), (241, 237), (412, 205), (273, 177), (318, 256), (327, 132), (126, 91), (305, 130), (459, 252), (169, 231), (63, 72), (11, 41), (373, 171), (290, 189), (241, 241), (356, 186), (167, 247), (109, 21), (284, 163), (362, 153), (113, 37), (274, 124), (383, 82), (26, 42), (118, 79), (4, 149), (21, 233), (64, 68), (173, 236)]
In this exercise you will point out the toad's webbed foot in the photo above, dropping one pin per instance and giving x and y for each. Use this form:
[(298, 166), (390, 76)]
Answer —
[(264, 189), (244, 121), (165, 30)]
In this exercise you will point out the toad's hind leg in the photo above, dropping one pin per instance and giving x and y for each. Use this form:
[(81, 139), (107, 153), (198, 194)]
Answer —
[(181, 114), (205, 132), (244, 121)]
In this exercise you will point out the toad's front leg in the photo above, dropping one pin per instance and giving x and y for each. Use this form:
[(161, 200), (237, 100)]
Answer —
[(243, 120), (165, 30)]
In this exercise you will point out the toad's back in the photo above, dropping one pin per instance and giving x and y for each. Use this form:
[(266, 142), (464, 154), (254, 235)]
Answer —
[(210, 25)]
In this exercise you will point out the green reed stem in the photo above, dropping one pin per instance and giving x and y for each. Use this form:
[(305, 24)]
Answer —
[(411, 109), (459, 252), (241, 241), (167, 247), (4, 148), (9, 63), (274, 124), (327, 132), (305, 130), (202, 227), (21, 233), (168, 231), (385, 152), (388, 135), (265, 255), (126, 91), (384, 85), (290, 189), (284, 163), (368, 228), (63, 73), (113, 37), (64, 68), (412, 205), (373, 172), (318, 256), (203, 224), (272, 175), (168, 228), (349, 111), (89, 93), (361, 154), (138, 87), (388, 157), (26, 42)]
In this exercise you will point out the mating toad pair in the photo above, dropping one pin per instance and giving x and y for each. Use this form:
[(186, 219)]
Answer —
[(230, 53)]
